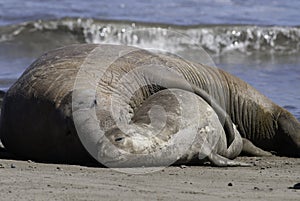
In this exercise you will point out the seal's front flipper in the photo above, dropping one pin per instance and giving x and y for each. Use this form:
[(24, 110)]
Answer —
[(250, 149), (221, 161)]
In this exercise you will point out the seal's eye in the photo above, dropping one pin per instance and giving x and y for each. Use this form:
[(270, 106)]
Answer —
[(119, 139)]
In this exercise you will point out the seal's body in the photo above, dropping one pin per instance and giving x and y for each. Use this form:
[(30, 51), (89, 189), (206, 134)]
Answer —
[(37, 116)]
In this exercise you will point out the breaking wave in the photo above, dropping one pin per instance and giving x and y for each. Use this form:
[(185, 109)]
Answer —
[(216, 39)]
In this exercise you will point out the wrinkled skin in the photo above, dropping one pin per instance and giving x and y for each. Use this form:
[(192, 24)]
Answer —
[(171, 126), (37, 118)]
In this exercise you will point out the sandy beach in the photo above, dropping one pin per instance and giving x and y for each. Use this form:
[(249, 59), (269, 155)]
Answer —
[(270, 178)]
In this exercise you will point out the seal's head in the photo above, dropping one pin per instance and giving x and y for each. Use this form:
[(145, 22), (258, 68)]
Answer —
[(132, 148), (134, 139), (288, 135)]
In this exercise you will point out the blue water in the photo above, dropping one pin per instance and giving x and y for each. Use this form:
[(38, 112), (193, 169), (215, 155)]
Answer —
[(183, 12), (256, 40)]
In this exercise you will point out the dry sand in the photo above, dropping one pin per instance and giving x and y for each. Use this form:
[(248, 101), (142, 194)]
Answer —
[(269, 179)]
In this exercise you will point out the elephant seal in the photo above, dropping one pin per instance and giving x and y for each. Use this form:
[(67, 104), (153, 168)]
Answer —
[(39, 110), (171, 127), (44, 98)]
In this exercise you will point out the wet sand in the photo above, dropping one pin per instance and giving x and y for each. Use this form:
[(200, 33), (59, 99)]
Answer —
[(269, 179)]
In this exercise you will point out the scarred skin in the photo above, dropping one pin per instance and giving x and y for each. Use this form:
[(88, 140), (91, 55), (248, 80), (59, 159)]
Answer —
[(37, 122)]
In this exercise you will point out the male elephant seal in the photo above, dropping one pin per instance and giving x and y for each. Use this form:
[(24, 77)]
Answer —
[(171, 127), (37, 119)]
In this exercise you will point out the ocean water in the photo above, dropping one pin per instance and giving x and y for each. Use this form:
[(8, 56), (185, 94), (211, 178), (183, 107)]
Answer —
[(256, 40)]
